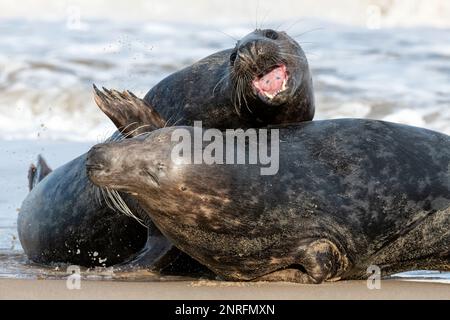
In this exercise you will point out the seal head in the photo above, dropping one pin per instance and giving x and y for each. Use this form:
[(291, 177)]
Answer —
[(265, 79), (272, 65)]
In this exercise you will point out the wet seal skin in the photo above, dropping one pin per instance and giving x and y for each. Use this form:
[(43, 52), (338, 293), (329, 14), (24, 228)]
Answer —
[(349, 194), (264, 80)]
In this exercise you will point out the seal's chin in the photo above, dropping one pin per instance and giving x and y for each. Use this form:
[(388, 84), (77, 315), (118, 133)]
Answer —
[(271, 84)]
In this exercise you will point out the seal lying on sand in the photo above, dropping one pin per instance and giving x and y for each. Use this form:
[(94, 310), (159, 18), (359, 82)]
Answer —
[(267, 70), (349, 194)]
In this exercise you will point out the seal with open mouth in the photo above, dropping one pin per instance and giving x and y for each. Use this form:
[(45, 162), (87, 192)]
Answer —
[(349, 194), (264, 79)]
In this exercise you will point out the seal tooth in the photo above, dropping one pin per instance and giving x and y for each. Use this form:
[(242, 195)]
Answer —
[(284, 85), (268, 95)]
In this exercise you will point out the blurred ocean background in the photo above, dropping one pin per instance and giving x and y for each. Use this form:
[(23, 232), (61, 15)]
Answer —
[(380, 59)]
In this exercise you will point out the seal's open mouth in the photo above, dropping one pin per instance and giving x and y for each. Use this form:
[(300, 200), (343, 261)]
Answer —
[(271, 83)]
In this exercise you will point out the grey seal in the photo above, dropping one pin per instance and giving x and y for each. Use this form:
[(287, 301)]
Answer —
[(349, 194)]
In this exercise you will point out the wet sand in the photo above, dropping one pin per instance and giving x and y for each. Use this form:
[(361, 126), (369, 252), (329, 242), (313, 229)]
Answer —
[(200, 290)]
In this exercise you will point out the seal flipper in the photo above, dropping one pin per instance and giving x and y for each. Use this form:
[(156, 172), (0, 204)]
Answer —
[(130, 114), (159, 255), (320, 261), (156, 255), (37, 172)]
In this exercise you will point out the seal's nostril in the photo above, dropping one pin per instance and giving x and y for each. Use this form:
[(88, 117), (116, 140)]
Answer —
[(94, 166), (97, 158), (96, 147)]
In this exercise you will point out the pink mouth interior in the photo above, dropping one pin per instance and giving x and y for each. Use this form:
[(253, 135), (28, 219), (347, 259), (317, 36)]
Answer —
[(272, 82)]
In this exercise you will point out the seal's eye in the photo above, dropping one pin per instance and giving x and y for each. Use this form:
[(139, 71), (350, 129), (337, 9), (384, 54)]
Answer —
[(233, 57), (271, 34)]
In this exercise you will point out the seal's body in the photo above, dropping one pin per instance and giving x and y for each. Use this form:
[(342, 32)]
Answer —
[(349, 194)]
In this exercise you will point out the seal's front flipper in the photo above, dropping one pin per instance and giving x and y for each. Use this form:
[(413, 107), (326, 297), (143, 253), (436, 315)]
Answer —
[(130, 114), (37, 172), (319, 261), (159, 255)]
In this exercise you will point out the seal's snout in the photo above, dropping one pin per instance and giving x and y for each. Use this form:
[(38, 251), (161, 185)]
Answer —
[(255, 53), (96, 160), (252, 49)]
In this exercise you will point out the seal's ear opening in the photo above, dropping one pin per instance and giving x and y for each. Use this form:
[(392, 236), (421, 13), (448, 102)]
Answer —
[(131, 115)]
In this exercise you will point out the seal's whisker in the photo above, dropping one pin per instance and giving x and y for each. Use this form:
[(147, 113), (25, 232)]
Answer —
[(293, 24), (97, 195), (292, 55), (171, 117), (122, 130), (168, 121), (176, 122), (308, 31), (107, 135), (234, 92), (238, 93), (114, 201), (298, 56), (123, 207), (256, 14), (106, 199), (100, 195), (134, 131), (266, 15), (140, 134), (243, 95), (226, 34), (218, 82)]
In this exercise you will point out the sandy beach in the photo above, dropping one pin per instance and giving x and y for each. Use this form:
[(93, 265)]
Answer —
[(198, 290)]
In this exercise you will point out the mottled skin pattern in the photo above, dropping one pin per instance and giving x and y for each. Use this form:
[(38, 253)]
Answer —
[(349, 194), (206, 91)]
